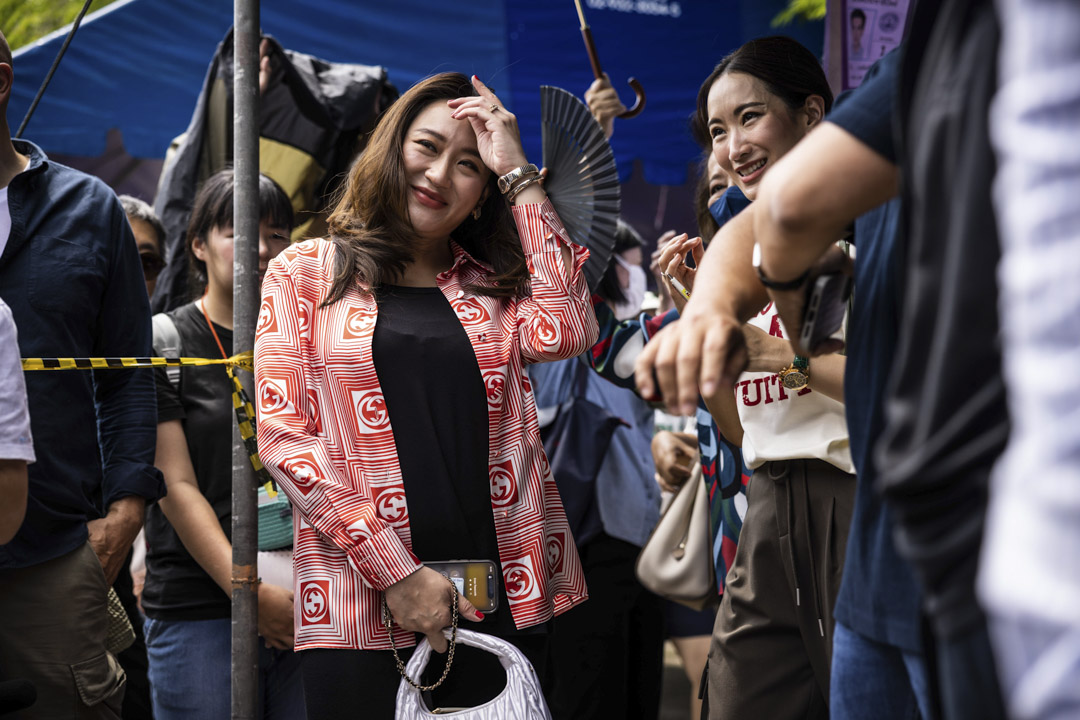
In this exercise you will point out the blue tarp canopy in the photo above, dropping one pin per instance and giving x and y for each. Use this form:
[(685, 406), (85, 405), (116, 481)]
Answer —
[(137, 66)]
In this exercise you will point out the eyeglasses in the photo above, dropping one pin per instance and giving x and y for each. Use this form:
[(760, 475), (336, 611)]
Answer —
[(151, 264)]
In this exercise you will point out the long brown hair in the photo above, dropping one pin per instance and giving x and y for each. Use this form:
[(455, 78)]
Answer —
[(370, 226)]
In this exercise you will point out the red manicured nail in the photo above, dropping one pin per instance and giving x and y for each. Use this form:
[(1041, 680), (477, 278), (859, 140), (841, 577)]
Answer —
[(478, 613)]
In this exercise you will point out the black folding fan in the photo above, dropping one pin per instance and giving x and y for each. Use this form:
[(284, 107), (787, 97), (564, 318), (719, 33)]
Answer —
[(582, 181)]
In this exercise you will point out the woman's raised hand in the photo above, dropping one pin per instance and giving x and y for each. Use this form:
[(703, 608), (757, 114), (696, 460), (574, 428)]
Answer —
[(672, 262), (497, 135), (421, 603)]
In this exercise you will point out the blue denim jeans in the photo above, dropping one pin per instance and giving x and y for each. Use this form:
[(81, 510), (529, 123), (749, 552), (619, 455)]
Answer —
[(875, 681), (190, 673)]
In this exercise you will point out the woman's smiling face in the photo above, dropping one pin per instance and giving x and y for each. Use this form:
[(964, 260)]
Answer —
[(445, 176), (750, 128)]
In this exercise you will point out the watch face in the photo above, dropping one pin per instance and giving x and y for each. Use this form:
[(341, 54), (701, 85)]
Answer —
[(793, 380)]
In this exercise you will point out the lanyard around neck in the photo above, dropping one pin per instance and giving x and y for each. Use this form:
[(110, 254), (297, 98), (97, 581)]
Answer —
[(209, 324)]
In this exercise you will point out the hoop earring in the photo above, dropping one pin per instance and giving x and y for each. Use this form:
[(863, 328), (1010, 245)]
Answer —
[(476, 213)]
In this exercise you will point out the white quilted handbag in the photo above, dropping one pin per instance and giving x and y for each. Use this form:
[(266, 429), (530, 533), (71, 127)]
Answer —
[(521, 699)]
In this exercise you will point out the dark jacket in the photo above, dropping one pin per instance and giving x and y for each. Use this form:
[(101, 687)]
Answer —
[(71, 274)]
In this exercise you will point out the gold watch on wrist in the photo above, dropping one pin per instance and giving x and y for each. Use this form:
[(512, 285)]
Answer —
[(796, 375)]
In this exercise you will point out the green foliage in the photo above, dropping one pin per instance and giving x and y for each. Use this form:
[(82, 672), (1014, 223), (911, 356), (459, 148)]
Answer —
[(801, 9), (24, 21)]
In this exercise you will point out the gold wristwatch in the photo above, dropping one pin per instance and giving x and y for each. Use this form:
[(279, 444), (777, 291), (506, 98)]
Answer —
[(796, 375)]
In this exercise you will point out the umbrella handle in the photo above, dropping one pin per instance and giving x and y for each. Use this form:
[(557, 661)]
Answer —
[(598, 73), (639, 99)]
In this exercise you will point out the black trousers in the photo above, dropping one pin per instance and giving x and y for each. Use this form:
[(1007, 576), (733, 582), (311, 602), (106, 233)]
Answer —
[(364, 683), (607, 653)]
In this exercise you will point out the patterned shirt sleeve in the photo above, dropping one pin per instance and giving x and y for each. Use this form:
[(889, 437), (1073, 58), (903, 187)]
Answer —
[(555, 322), (297, 457)]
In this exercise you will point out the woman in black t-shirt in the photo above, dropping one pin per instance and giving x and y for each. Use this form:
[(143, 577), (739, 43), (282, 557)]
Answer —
[(189, 560)]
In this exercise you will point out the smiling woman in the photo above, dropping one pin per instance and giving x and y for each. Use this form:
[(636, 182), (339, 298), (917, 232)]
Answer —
[(447, 180), (772, 643), (757, 103), (393, 202), (394, 407)]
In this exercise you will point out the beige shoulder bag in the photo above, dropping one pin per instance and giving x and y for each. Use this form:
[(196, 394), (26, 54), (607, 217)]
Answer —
[(677, 560)]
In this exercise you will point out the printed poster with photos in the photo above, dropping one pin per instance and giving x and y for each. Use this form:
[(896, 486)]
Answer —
[(871, 29)]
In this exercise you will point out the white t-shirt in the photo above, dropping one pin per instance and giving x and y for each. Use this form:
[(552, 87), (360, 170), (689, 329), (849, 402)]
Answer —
[(15, 440), (781, 424), (5, 219)]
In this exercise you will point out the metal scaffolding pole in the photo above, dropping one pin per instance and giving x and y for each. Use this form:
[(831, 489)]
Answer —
[(245, 598)]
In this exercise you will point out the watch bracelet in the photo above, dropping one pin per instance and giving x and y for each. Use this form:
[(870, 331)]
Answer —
[(520, 180), (518, 187), (515, 176)]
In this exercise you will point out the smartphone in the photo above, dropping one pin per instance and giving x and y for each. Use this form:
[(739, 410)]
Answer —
[(823, 314), (477, 580)]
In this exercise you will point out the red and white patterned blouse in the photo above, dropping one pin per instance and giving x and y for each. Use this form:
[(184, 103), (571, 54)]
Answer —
[(325, 435)]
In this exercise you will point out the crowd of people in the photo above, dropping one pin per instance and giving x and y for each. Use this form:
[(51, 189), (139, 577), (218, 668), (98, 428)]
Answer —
[(436, 382)]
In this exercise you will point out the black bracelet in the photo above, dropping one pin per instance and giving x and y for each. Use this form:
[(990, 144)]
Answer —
[(787, 285)]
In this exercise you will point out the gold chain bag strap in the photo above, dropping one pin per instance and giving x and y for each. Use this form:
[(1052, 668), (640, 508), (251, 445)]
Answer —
[(388, 623)]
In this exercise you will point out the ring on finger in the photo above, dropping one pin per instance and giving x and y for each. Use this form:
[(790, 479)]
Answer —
[(494, 107)]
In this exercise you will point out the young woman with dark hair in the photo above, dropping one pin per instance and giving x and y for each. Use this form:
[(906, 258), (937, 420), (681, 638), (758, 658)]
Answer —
[(772, 641), (395, 411), (788, 73), (189, 557)]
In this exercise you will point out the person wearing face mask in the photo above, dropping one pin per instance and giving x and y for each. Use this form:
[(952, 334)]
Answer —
[(607, 653)]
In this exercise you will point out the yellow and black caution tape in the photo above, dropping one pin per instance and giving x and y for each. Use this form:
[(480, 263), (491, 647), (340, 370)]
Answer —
[(241, 403), (245, 360), (244, 412)]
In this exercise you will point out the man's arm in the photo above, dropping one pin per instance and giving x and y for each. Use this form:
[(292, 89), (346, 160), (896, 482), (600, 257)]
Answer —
[(803, 207), (706, 348), (126, 404), (13, 484), (807, 201), (16, 445)]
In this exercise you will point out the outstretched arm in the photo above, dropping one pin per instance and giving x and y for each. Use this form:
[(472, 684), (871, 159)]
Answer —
[(803, 209)]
